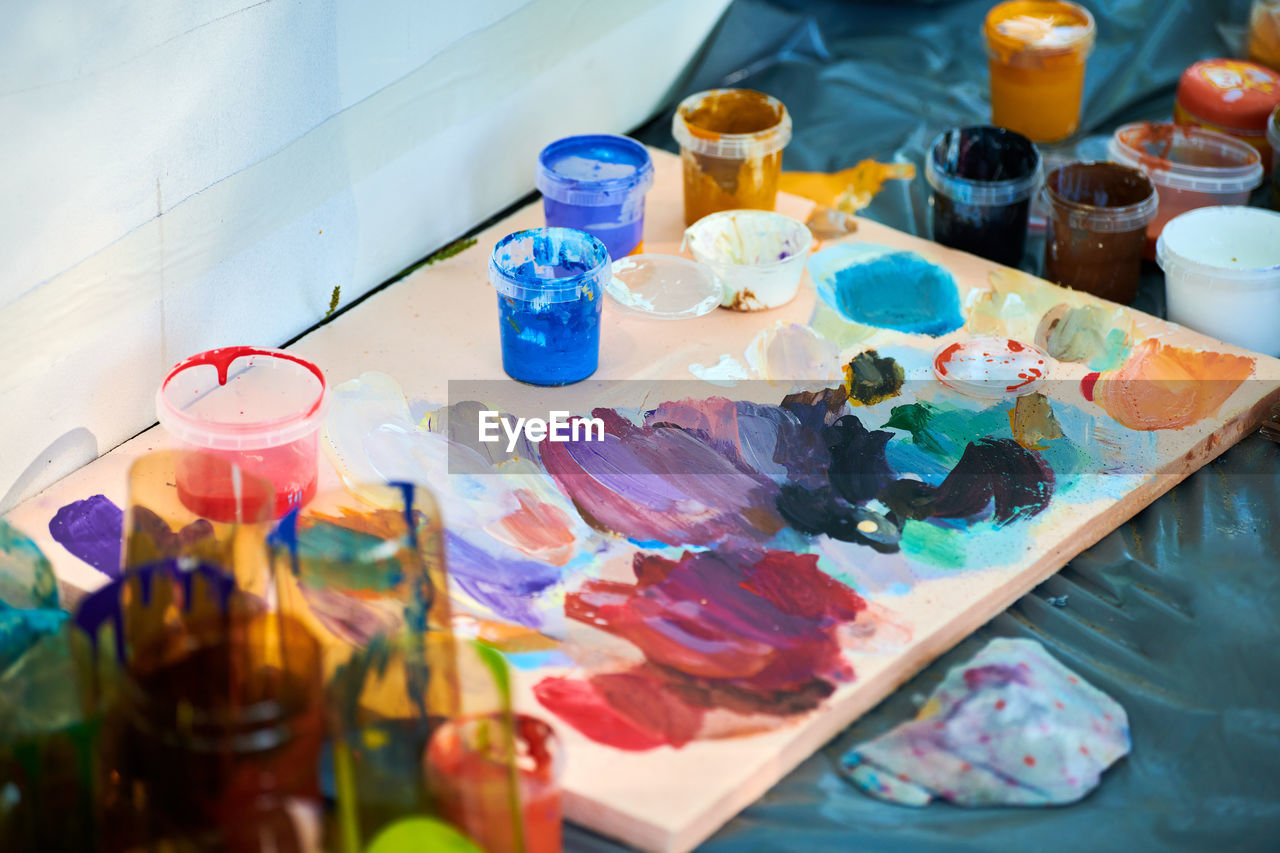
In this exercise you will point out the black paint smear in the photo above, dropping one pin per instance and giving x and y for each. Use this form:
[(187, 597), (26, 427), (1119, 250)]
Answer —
[(859, 470), (991, 470), (815, 511), (872, 378)]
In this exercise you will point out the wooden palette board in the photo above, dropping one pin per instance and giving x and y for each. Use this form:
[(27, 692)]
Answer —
[(440, 324)]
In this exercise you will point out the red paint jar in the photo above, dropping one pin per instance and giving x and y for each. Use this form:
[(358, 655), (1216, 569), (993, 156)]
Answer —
[(1230, 96), (256, 407)]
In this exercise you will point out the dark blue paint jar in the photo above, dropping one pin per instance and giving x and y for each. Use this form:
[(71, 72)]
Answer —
[(550, 284), (597, 184), (983, 179)]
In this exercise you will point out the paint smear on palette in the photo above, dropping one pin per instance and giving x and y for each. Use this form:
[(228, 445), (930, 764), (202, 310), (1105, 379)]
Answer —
[(1094, 335), (1013, 304), (1012, 726), (726, 372), (890, 290), (752, 632), (91, 529), (790, 353), (870, 379), (1166, 387)]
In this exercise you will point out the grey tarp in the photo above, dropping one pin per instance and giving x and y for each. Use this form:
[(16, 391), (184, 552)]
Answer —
[(1174, 614)]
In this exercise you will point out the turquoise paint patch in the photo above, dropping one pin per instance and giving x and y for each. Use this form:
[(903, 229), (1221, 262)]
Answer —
[(891, 290), (1117, 350)]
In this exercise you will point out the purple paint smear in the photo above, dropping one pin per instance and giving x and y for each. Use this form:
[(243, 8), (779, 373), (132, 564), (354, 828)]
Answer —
[(91, 529)]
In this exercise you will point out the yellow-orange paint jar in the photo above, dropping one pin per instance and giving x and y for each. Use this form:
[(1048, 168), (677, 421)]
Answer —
[(1264, 33), (1229, 96), (731, 143), (1036, 52)]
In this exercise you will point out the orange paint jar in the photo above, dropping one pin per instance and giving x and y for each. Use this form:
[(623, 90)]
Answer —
[(731, 143), (1264, 33), (1036, 52), (1232, 97)]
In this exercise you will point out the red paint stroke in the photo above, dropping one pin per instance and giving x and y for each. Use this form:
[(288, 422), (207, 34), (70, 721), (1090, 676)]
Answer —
[(940, 362), (750, 632), (1087, 383)]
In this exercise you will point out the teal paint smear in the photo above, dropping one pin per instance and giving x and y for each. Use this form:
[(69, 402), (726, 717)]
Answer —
[(892, 290), (934, 544), (332, 556), (1117, 346)]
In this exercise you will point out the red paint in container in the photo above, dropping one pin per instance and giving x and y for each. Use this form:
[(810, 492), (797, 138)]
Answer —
[(470, 772), (259, 408), (1190, 166), (1229, 96)]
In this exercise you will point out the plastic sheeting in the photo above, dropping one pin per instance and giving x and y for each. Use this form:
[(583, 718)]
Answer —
[(1175, 613)]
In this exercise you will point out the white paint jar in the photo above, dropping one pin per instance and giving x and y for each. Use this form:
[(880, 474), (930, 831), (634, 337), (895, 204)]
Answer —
[(758, 255), (1222, 274)]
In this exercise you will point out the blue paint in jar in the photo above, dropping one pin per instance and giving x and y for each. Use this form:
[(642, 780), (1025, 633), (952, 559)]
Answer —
[(550, 284), (597, 184)]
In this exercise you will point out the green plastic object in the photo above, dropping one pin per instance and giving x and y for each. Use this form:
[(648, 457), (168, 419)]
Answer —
[(416, 834)]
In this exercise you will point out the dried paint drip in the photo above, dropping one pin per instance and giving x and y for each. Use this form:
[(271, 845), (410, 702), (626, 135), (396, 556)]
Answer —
[(991, 368), (1012, 726)]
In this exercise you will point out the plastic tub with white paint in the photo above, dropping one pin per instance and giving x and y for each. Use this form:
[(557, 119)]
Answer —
[(1222, 274), (758, 256)]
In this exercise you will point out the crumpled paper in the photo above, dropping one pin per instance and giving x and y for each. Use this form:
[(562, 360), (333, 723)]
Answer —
[(1012, 726)]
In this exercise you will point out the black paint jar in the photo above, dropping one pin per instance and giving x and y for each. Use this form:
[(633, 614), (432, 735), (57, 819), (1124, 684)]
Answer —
[(983, 179)]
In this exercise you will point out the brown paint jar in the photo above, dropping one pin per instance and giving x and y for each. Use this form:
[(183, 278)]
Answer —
[(214, 740), (731, 143), (1097, 228)]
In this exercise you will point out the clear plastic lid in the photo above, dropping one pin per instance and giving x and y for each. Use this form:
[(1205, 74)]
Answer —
[(665, 287), (594, 170), (1187, 157), (731, 123), (991, 368)]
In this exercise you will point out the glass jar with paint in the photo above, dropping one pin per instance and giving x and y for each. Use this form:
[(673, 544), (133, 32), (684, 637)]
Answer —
[(1264, 33), (1222, 274), (1097, 227), (1036, 51), (983, 179), (597, 184), (469, 766), (757, 255), (1191, 167), (1229, 96), (550, 284), (731, 143), (214, 741), (257, 407)]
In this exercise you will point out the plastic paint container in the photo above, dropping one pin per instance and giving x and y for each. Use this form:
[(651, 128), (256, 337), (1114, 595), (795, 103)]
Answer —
[(1096, 228), (550, 284), (597, 184), (1222, 274), (731, 143), (259, 408), (758, 256), (1036, 52), (1264, 33), (1273, 139), (1190, 166), (983, 179), (1232, 97), (470, 777)]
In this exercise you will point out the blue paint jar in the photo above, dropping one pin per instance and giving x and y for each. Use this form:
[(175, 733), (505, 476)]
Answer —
[(597, 184), (550, 284)]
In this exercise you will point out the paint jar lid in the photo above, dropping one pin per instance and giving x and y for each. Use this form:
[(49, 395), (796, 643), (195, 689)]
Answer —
[(1101, 197), (594, 170), (1231, 93), (1235, 248), (991, 368), (548, 265), (665, 287), (983, 166), (734, 124), (1273, 130), (1039, 28), (1186, 157), (241, 398)]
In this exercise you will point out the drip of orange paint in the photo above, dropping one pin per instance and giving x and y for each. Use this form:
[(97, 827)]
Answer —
[(848, 190), (1165, 387)]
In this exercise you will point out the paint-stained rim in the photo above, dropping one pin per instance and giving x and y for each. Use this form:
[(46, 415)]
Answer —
[(550, 290), (593, 193), (731, 146), (977, 192)]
